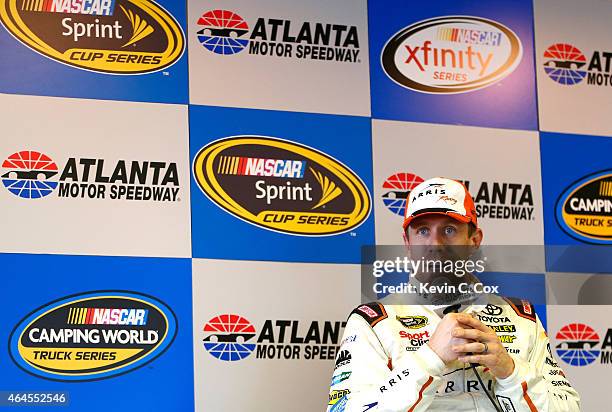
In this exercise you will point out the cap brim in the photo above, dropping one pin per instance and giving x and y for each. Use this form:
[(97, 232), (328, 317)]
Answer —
[(457, 216)]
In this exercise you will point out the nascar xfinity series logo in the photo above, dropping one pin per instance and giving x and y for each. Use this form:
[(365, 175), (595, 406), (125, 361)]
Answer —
[(107, 36), (493, 200), (567, 65), (231, 337), (578, 345), (92, 336), (31, 174), (226, 32), (584, 209), (281, 185), (451, 54)]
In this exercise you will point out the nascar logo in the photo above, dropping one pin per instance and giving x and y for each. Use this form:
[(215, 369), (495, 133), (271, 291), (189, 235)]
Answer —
[(296, 189), (451, 54), (104, 36), (104, 316), (93, 335)]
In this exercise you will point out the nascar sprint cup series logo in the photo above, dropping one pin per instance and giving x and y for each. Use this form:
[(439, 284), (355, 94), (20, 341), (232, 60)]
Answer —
[(584, 209), (281, 185), (451, 54), (107, 36), (92, 336)]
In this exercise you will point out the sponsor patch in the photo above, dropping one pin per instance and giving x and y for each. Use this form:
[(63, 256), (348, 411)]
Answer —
[(341, 377), (522, 308), (413, 322), (337, 395), (372, 312), (506, 404)]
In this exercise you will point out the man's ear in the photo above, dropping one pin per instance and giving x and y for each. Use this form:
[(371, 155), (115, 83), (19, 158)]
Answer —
[(476, 237)]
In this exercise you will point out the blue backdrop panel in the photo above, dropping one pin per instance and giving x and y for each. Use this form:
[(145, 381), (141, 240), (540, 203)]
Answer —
[(569, 162), (26, 71), (508, 103), (219, 234), (164, 384)]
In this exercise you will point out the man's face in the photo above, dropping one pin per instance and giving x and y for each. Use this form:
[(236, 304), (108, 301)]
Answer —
[(441, 237), (440, 230)]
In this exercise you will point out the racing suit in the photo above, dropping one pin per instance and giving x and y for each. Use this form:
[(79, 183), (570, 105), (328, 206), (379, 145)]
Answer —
[(384, 363)]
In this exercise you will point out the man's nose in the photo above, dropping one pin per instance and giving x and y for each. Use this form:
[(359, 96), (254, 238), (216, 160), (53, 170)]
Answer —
[(436, 238)]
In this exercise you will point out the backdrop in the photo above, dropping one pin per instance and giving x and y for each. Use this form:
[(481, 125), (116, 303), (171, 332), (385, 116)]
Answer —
[(186, 187)]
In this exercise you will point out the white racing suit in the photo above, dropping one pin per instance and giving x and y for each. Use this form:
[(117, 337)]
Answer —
[(385, 365)]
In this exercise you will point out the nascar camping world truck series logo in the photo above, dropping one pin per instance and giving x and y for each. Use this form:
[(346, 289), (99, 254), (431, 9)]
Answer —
[(108, 36), (281, 185), (451, 54), (92, 336), (584, 209), (226, 32)]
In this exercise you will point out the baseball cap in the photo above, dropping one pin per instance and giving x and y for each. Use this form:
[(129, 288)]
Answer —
[(440, 195)]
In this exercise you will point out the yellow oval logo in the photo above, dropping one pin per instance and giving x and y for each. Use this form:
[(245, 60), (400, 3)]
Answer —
[(282, 185), (584, 209), (108, 36), (91, 336)]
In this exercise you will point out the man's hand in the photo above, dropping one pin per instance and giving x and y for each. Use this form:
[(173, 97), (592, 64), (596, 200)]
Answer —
[(496, 358), (442, 340)]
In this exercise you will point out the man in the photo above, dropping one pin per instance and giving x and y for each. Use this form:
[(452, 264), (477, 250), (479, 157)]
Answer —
[(418, 357)]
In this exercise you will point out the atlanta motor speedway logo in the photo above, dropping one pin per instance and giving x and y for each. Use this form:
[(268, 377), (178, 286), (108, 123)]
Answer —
[(226, 32), (493, 200), (30, 174), (397, 188), (231, 337), (566, 64), (578, 345)]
